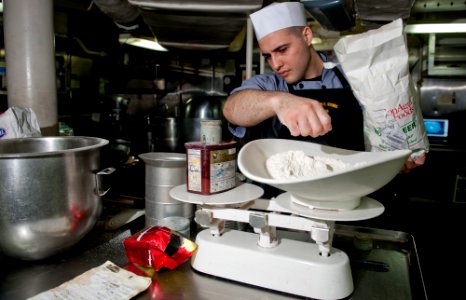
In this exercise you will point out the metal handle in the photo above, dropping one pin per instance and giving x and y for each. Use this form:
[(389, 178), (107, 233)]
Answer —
[(102, 185)]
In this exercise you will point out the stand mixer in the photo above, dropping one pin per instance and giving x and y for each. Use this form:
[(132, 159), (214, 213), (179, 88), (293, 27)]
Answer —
[(290, 247)]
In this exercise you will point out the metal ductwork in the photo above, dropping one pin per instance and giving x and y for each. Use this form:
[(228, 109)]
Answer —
[(126, 17), (221, 24), (121, 11), (186, 24), (377, 12), (332, 15)]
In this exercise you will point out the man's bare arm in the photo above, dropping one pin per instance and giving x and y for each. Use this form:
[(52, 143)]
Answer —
[(302, 116), (249, 107)]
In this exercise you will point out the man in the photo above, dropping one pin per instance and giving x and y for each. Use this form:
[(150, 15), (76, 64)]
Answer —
[(305, 98)]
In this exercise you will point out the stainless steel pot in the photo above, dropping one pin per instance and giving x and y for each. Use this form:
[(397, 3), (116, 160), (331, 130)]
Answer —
[(167, 134), (50, 189), (202, 107)]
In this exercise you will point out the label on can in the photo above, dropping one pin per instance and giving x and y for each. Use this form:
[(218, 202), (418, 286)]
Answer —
[(222, 170), (194, 170)]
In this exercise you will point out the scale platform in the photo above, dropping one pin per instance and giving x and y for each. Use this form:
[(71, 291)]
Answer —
[(247, 192)]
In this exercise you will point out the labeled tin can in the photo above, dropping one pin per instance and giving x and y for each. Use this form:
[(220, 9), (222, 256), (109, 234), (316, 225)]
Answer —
[(210, 169), (211, 132)]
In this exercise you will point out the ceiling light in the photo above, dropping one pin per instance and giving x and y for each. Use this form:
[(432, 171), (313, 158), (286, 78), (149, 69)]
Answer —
[(316, 40), (152, 44), (436, 28)]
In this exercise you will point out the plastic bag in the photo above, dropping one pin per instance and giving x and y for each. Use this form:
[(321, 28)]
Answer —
[(18, 122), (376, 65), (158, 247)]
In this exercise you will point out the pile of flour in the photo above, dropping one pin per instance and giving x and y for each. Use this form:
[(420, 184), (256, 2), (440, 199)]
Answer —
[(294, 164)]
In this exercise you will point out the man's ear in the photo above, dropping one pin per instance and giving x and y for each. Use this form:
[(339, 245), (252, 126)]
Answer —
[(307, 34)]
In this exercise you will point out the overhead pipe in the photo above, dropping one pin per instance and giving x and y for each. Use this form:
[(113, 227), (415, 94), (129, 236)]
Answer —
[(201, 5), (30, 59)]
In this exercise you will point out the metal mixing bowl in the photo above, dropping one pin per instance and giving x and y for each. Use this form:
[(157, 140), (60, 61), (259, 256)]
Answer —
[(49, 193)]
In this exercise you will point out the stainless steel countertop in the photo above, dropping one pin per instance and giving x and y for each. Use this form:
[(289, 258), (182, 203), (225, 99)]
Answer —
[(401, 279)]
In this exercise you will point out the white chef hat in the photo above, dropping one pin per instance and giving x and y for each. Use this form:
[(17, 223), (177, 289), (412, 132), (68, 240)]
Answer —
[(278, 16)]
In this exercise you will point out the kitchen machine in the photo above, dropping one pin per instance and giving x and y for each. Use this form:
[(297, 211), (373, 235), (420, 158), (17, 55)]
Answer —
[(289, 247)]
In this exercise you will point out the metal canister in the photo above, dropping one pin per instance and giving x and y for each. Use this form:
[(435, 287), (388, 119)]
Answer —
[(163, 171), (211, 132), (211, 169)]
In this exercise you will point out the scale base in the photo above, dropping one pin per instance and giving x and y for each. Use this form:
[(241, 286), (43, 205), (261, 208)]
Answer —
[(293, 267)]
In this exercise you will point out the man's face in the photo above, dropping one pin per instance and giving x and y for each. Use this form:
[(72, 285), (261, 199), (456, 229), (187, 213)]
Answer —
[(288, 53)]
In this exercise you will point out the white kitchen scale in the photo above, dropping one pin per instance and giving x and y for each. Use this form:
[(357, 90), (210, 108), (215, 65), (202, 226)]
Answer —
[(284, 260)]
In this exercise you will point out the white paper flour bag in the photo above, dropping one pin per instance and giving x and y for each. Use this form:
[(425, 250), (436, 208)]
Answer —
[(376, 65), (18, 122)]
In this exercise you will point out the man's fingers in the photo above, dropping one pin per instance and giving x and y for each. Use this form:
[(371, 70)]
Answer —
[(319, 123), (309, 118), (294, 129)]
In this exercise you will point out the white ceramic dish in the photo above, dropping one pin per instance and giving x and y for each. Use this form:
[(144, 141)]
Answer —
[(341, 190)]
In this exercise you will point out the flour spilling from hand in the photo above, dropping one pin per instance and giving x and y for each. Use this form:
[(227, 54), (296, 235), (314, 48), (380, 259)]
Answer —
[(296, 164)]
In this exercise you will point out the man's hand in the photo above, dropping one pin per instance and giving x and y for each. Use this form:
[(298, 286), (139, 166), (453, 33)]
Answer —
[(412, 163), (303, 116)]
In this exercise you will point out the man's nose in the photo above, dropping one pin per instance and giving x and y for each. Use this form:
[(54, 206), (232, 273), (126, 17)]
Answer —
[(275, 62)]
